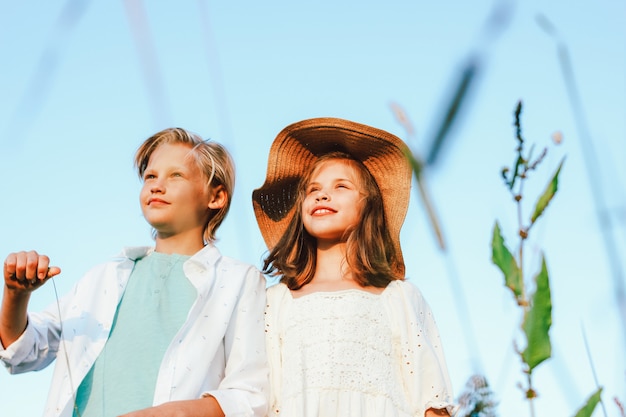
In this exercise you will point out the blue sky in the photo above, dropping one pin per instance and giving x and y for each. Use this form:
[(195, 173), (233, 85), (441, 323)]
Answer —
[(84, 83)]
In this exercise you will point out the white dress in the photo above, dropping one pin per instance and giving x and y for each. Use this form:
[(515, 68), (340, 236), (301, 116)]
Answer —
[(353, 353)]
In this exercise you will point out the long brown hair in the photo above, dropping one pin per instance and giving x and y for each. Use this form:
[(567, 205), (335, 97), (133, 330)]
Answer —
[(370, 252)]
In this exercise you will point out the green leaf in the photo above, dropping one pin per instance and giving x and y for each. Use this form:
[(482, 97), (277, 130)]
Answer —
[(518, 163), (464, 84), (537, 322), (502, 257), (588, 408), (547, 195)]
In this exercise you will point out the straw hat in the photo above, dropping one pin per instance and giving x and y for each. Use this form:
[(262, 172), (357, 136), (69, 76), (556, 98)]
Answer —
[(299, 145)]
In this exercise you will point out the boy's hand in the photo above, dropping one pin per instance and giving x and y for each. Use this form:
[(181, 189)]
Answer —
[(27, 271)]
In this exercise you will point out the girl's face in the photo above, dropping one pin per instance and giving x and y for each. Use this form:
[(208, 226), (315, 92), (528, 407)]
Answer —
[(332, 201), (175, 198)]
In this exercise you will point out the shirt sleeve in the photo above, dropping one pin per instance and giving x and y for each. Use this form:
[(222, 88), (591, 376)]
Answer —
[(37, 347), (244, 389), (276, 304)]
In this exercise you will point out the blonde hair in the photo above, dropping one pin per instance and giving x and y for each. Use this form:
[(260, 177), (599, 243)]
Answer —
[(211, 157)]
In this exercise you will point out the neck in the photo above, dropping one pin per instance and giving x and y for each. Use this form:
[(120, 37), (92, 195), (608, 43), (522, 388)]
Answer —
[(331, 263), (331, 272), (179, 244)]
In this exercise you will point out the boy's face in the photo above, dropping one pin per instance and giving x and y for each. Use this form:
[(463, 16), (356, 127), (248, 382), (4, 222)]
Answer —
[(175, 198)]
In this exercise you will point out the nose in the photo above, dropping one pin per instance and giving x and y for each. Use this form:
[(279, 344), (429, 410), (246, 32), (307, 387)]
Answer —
[(321, 196), (157, 186)]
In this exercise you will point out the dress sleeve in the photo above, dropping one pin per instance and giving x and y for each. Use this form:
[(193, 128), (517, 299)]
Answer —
[(424, 369)]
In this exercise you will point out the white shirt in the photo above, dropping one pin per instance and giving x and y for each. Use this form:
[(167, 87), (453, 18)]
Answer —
[(218, 351)]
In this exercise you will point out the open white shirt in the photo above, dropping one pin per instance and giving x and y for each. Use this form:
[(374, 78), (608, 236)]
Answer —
[(219, 350)]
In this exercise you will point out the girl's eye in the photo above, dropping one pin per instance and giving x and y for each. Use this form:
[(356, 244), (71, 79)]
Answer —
[(148, 177)]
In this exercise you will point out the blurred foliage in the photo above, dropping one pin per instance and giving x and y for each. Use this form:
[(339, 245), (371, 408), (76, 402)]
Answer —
[(536, 306), (588, 408), (477, 400)]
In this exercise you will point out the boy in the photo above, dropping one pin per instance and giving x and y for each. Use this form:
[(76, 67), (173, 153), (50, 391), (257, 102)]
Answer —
[(170, 330)]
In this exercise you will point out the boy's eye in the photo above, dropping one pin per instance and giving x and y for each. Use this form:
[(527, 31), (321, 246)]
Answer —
[(148, 177)]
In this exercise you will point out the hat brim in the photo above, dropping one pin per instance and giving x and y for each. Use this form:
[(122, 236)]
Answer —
[(299, 145)]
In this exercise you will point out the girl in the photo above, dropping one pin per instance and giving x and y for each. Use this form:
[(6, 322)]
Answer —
[(346, 334)]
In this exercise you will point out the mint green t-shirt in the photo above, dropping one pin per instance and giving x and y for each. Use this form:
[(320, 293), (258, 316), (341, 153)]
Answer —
[(154, 306)]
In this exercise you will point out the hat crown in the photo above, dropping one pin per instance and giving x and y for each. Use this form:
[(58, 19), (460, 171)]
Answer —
[(296, 148)]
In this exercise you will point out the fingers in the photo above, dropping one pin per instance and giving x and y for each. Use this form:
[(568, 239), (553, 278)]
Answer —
[(28, 268), (53, 270)]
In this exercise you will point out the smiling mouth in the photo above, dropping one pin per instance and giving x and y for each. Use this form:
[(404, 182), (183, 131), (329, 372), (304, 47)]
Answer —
[(156, 201), (322, 210)]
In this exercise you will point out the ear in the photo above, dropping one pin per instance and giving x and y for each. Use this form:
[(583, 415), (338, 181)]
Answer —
[(218, 197)]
